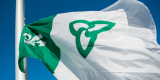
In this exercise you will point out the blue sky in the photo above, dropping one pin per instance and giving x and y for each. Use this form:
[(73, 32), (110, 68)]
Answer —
[(37, 9)]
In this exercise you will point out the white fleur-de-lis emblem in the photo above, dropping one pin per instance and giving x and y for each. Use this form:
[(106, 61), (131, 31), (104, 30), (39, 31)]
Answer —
[(35, 40)]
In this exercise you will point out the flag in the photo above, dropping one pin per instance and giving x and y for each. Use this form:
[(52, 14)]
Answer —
[(117, 43)]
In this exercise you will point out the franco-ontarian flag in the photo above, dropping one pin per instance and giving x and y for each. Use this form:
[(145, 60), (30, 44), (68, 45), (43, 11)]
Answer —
[(117, 43)]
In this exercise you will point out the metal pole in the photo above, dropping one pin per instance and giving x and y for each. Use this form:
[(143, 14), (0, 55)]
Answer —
[(19, 25)]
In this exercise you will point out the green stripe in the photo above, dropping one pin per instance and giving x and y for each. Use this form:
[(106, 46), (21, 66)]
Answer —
[(48, 54)]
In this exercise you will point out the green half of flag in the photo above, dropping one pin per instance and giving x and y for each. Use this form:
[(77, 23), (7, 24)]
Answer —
[(36, 42)]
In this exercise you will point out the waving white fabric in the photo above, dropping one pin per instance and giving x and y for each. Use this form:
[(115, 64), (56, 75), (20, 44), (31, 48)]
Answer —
[(129, 51)]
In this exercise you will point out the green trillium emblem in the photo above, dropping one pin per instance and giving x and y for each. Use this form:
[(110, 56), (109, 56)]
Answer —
[(90, 34)]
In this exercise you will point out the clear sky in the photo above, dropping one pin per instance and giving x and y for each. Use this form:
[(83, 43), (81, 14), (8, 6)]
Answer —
[(37, 9)]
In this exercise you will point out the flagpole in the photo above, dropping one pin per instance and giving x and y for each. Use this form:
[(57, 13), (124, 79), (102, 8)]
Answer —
[(19, 25)]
